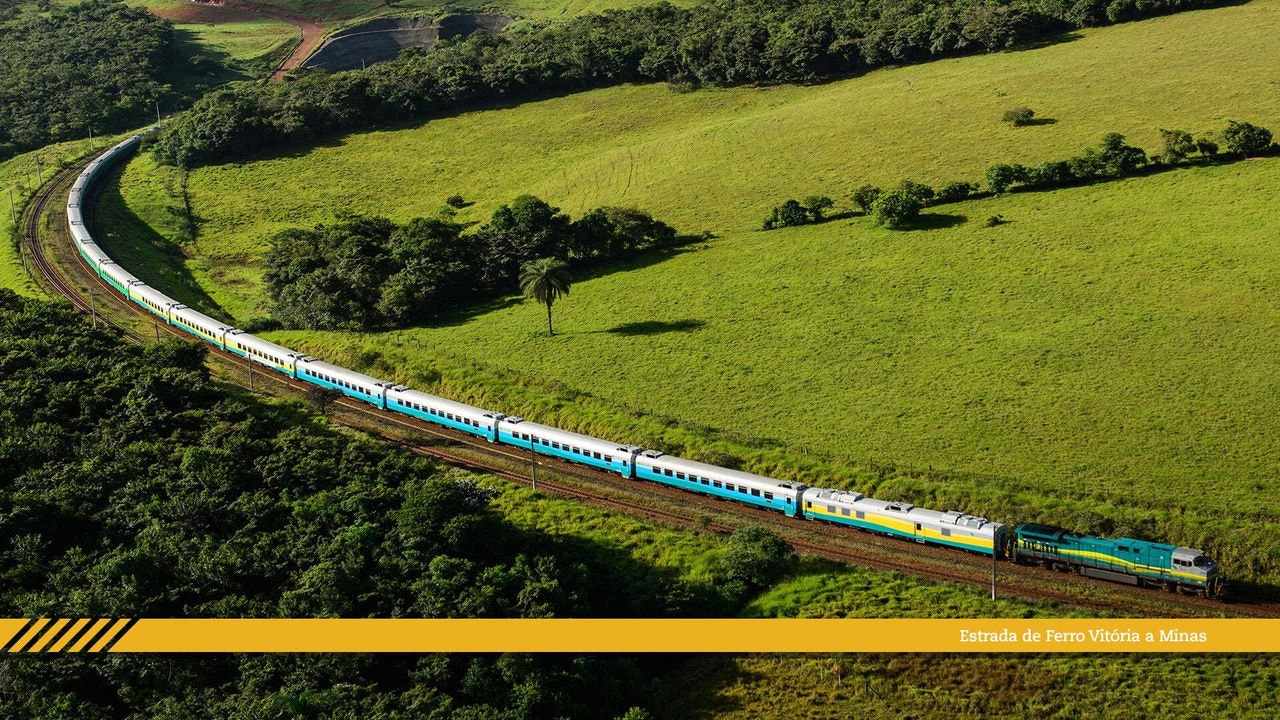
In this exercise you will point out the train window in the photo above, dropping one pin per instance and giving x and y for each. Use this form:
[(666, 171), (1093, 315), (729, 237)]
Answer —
[(831, 508), (755, 492), (946, 532), (788, 501), (729, 487), (608, 458), (716, 483), (844, 512), (808, 505), (705, 481), (667, 472), (680, 476), (742, 489), (555, 445), (595, 455), (860, 515), (576, 450), (1124, 549), (768, 496)]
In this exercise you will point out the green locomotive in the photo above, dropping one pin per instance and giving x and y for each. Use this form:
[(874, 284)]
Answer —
[(1125, 560)]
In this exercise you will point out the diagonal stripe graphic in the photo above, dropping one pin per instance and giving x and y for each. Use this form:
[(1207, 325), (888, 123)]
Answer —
[(33, 630), (115, 636), (107, 635), (8, 646), (52, 635), (72, 634), (91, 634), (84, 634)]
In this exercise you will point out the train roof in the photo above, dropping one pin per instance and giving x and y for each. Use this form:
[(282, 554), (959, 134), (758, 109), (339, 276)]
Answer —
[(654, 458), (551, 433), (403, 393)]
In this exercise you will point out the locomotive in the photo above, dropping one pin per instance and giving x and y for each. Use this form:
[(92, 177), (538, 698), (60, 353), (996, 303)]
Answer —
[(1134, 562)]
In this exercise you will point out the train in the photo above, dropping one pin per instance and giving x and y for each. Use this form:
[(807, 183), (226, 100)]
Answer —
[(1125, 560)]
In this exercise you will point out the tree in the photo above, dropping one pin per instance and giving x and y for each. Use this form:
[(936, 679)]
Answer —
[(755, 559), (921, 192), (865, 196), (1000, 176), (1177, 145), (1245, 139), (816, 204), (896, 209), (1019, 116), (792, 213), (1206, 147), (1119, 159), (545, 280)]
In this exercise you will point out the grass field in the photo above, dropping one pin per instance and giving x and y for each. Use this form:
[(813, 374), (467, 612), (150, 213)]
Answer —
[(1127, 687), (19, 177), (1103, 355)]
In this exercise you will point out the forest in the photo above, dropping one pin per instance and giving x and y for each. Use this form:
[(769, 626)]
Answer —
[(719, 42), (132, 484), (363, 273), (98, 68)]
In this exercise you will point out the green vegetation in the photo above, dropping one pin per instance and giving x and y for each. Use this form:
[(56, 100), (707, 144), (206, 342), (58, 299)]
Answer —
[(363, 273), (98, 66), (718, 42), (132, 486), (1069, 365), (1135, 687), (545, 280)]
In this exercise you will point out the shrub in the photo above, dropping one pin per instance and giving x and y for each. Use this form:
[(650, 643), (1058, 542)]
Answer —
[(896, 209), (1176, 145), (1019, 116), (1000, 176), (456, 201), (956, 191), (1246, 140), (919, 191), (1206, 147), (816, 204), (865, 196)]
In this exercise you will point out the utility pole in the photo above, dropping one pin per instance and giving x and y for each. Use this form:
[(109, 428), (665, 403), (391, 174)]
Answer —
[(157, 111), (533, 463), (994, 549), (13, 213)]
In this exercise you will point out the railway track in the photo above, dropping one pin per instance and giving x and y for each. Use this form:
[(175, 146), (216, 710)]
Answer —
[(652, 501)]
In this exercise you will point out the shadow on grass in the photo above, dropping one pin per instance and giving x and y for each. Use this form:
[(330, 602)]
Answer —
[(937, 221), (656, 327), (148, 255)]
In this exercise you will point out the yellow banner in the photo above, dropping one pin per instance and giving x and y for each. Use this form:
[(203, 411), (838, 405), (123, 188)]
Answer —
[(637, 636)]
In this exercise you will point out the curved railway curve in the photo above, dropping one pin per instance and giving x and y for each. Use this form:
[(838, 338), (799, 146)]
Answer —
[(70, 276)]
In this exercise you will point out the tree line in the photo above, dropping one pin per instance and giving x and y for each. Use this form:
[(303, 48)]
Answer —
[(718, 42), (96, 67), (362, 273), (900, 207), (131, 485)]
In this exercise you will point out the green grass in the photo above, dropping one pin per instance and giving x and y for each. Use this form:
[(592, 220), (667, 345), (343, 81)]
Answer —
[(20, 176), (1103, 355), (769, 687)]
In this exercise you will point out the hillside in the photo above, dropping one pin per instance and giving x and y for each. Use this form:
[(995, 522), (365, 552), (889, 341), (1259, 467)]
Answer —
[(1074, 364)]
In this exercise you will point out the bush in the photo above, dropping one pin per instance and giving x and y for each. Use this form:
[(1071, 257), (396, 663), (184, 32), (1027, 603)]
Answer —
[(456, 201), (865, 196), (956, 191), (896, 209), (921, 192), (1246, 140), (1019, 116), (1000, 176)]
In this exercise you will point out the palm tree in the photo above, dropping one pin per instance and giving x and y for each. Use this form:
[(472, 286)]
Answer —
[(545, 280)]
